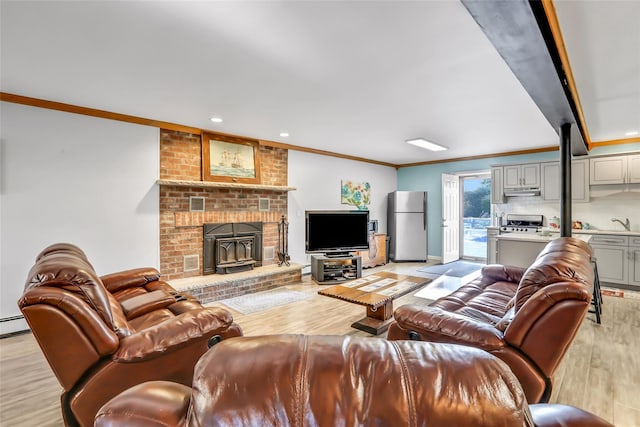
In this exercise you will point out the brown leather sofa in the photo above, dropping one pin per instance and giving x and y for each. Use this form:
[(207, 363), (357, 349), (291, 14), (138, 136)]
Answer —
[(102, 335), (526, 317), (294, 380)]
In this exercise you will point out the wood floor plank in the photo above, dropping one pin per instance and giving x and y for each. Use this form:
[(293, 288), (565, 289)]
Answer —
[(625, 416), (600, 372), (599, 392), (29, 391)]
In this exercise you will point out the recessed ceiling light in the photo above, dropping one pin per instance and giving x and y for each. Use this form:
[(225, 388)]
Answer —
[(632, 133), (284, 134), (216, 119), (423, 143)]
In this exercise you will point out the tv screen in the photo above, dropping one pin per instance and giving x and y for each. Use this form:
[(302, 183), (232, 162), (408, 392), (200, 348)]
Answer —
[(336, 231)]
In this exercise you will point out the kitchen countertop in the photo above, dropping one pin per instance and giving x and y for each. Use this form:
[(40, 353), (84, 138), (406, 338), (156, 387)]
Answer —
[(586, 231), (537, 237), (615, 232)]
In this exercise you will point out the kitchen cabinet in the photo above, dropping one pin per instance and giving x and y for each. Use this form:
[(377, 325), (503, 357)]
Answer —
[(633, 163), (518, 176), (497, 189), (634, 261), (612, 256), (551, 177), (492, 244), (615, 170)]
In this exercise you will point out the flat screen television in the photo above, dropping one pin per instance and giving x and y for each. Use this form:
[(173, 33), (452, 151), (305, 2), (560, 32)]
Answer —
[(336, 232)]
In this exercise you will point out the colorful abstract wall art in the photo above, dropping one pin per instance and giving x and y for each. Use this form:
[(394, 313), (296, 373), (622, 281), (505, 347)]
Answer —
[(357, 194)]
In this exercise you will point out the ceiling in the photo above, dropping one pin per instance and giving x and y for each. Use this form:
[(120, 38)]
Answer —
[(603, 44), (351, 77)]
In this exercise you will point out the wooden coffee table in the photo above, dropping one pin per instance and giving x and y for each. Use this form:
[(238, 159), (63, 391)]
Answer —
[(376, 292)]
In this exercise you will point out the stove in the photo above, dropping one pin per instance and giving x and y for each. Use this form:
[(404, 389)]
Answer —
[(529, 224)]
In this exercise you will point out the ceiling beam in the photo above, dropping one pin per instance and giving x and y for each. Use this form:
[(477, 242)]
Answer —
[(520, 32)]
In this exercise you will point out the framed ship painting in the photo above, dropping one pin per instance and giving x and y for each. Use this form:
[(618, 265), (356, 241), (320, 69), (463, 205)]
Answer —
[(230, 159)]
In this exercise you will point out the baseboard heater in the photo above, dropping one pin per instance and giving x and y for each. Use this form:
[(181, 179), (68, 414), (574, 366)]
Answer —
[(11, 319), (13, 333)]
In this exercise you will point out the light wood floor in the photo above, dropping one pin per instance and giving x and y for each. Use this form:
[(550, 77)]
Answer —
[(600, 373)]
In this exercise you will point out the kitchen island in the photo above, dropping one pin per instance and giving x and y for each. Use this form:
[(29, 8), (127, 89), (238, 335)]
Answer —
[(521, 249), (616, 252)]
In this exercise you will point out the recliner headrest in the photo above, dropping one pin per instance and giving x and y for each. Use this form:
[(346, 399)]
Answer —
[(69, 271), (561, 260), (320, 380)]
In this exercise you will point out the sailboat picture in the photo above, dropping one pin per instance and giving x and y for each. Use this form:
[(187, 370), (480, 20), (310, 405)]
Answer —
[(232, 160)]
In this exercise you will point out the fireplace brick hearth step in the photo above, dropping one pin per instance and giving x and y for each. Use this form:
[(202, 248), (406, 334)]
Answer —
[(215, 287)]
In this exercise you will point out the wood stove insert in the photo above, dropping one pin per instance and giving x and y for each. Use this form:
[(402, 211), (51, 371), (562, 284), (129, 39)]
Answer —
[(231, 247)]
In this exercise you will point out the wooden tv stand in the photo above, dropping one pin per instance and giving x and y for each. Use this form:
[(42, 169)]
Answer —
[(331, 270)]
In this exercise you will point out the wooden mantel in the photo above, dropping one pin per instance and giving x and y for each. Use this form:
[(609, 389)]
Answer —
[(210, 184)]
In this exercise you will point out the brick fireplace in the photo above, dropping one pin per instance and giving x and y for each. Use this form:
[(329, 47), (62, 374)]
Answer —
[(181, 230)]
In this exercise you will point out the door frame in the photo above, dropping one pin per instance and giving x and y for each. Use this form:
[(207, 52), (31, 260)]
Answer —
[(460, 176), (482, 174)]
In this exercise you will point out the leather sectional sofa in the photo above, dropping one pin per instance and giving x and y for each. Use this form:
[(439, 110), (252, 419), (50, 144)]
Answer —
[(526, 317), (131, 343), (327, 381), (102, 335)]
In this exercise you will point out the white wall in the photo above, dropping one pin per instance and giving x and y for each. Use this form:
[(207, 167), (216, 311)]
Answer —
[(318, 179), (71, 178)]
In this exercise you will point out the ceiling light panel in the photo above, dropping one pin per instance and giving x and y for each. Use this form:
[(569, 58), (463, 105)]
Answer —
[(423, 143)]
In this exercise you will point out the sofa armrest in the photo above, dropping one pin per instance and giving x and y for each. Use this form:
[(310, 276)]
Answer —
[(541, 304), (129, 278), (436, 325), (146, 303), (502, 273), (154, 403), (173, 333)]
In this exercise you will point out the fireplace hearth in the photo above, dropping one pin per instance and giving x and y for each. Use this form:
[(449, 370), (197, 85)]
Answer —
[(231, 247)]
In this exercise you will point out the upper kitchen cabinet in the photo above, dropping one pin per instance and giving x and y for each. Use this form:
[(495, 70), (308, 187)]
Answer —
[(518, 176), (497, 189), (551, 186), (633, 163), (615, 170)]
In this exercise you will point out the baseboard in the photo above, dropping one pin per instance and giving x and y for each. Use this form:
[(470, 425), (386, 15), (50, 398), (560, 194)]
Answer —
[(13, 325)]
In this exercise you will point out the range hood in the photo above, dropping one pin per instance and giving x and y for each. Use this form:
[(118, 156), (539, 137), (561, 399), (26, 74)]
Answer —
[(521, 192)]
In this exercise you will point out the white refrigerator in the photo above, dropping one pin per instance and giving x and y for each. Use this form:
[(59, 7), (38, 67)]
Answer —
[(407, 225)]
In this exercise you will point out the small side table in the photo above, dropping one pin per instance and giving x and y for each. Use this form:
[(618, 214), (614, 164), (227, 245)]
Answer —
[(377, 253)]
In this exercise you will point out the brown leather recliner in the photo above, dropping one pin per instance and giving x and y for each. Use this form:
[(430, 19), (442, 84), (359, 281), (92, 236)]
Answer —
[(102, 335), (526, 317), (294, 380)]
